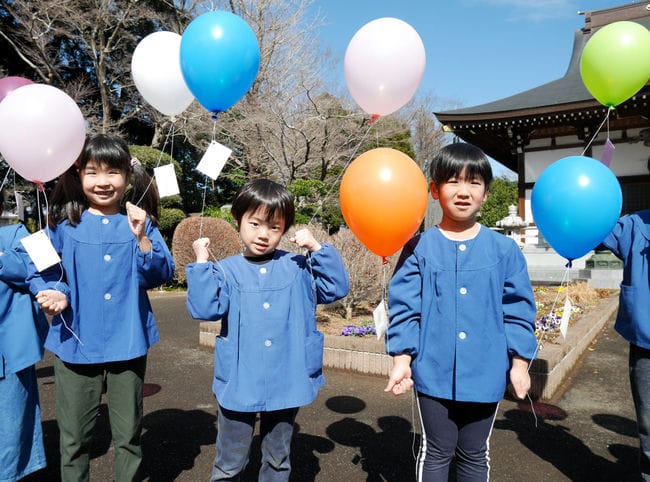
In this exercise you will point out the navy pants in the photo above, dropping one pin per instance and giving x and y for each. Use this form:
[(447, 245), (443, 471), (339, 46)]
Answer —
[(640, 384), (234, 436), (451, 428)]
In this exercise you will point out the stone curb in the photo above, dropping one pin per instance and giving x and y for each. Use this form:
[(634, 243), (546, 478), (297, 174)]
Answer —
[(554, 362)]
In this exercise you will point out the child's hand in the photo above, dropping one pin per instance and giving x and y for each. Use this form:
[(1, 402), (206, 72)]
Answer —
[(305, 239), (200, 247), (519, 377), (52, 302), (137, 222), (400, 380), (137, 219)]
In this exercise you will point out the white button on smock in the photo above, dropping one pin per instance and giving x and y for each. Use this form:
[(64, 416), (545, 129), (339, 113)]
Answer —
[(463, 291), (107, 296), (268, 343), (107, 257), (462, 247), (105, 221), (462, 335), (266, 306), (263, 270)]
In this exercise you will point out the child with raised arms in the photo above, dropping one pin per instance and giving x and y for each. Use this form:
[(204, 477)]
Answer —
[(103, 324), (269, 354)]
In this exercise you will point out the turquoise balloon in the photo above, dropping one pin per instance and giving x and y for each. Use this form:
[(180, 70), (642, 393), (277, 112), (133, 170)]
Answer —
[(219, 57), (576, 202), (615, 62)]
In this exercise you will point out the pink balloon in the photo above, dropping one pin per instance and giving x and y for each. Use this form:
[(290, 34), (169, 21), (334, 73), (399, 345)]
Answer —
[(383, 65), (42, 131), (11, 83)]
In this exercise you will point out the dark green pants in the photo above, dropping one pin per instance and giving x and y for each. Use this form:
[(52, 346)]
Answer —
[(78, 397)]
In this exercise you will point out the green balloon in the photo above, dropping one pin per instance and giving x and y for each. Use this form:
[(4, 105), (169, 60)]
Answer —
[(615, 62)]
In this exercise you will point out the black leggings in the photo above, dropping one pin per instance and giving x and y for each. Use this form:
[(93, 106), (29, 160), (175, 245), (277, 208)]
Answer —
[(454, 428)]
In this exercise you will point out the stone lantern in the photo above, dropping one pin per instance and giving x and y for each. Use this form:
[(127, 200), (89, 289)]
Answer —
[(512, 224)]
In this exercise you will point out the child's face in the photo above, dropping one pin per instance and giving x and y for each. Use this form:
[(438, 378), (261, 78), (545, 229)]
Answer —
[(259, 235), (103, 186), (460, 198)]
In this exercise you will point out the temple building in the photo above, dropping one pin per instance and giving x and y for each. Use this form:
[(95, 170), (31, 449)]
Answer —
[(528, 131)]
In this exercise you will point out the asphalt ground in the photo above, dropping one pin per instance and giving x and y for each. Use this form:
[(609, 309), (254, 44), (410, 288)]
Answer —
[(354, 431)]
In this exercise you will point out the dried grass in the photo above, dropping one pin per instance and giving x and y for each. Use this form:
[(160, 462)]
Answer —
[(583, 297)]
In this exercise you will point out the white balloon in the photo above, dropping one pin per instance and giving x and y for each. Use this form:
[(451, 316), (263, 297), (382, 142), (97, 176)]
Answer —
[(156, 71), (384, 64)]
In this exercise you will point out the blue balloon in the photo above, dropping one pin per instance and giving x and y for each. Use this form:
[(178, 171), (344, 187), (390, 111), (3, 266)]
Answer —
[(219, 59), (576, 202)]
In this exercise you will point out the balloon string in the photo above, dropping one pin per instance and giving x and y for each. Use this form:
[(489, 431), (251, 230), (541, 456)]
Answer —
[(384, 297), (605, 120), (564, 281), (4, 181), (205, 184), (340, 175), (170, 135)]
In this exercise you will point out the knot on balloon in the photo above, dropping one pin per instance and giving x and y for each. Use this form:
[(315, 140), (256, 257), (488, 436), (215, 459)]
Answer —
[(39, 186), (569, 265), (374, 118)]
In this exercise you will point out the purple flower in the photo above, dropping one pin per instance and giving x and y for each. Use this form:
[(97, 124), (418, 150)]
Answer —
[(359, 330)]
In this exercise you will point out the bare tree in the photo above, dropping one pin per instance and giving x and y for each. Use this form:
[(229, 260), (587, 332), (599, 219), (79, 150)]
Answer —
[(364, 269), (84, 48)]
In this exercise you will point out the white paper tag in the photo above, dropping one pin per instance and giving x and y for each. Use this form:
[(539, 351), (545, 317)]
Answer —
[(20, 206), (40, 250), (380, 317), (166, 180), (213, 160), (566, 314)]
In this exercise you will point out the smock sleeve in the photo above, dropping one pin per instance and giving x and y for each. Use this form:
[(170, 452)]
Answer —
[(15, 264), (330, 275), (618, 240), (405, 305), (208, 294), (156, 266), (519, 309), (52, 278)]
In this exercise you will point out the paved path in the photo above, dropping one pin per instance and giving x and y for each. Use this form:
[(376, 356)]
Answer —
[(356, 432)]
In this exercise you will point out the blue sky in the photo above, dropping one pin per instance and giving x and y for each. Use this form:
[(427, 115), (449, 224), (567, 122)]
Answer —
[(477, 51)]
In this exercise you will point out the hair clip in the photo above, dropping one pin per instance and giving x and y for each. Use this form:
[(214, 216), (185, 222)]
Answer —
[(135, 162)]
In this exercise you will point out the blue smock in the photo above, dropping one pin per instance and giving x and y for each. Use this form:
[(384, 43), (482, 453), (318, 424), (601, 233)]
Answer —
[(107, 278), (269, 354), (23, 328), (461, 309), (23, 325), (629, 241)]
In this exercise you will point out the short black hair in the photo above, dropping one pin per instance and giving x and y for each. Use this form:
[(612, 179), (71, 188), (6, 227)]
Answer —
[(273, 197), (454, 158)]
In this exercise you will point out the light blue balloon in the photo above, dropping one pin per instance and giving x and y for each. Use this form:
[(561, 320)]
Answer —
[(219, 57), (576, 202)]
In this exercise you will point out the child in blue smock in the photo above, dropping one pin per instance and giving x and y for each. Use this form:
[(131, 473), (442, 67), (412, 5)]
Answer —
[(103, 328), (268, 358), (462, 320), (23, 328), (630, 241)]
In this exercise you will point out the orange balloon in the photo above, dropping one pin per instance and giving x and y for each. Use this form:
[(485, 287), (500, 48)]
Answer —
[(383, 199)]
